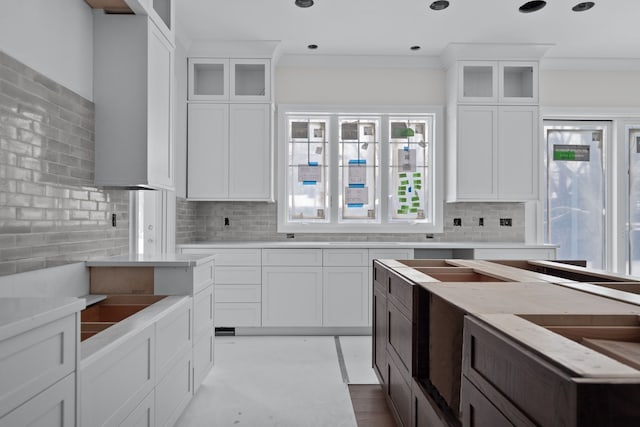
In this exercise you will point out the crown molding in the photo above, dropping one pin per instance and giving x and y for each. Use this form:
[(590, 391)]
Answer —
[(357, 61)]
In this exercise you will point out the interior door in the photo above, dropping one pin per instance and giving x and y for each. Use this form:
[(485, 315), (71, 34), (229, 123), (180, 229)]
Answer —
[(575, 190), (634, 202)]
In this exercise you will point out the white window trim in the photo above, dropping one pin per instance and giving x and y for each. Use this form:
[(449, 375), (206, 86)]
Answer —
[(436, 170)]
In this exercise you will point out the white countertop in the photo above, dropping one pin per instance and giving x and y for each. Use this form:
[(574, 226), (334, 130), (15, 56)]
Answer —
[(161, 260), (18, 315), (362, 244)]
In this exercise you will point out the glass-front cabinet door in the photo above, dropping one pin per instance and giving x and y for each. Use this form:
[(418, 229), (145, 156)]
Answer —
[(208, 79), (250, 80)]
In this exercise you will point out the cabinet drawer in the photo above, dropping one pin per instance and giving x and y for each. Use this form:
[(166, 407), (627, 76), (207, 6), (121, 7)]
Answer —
[(400, 336), (174, 391), (399, 393), (203, 312), (526, 253), (345, 257), (173, 335), (426, 411), (202, 276), (292, 257), (232, 314), (400, 291), (231, 257), (477, 410), (249, 275), (506, 369), (380, 277), (144, 415), (202, 359), (55, 406), (238, 293), (35, 359)]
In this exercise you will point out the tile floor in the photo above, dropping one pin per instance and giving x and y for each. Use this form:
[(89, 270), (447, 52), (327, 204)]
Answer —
[(281, 381)]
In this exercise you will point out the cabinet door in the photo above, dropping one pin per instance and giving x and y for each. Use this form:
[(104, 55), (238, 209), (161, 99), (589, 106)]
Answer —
[(476, 167), (477, 81), (250, 152), (208, 152), (345, 296), (518, 153), (518, 82), (379, 334), (292, 296), (250, 80), (160, 117), (208, 79)]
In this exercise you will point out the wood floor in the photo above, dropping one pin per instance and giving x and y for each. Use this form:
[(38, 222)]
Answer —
[(370, 406)]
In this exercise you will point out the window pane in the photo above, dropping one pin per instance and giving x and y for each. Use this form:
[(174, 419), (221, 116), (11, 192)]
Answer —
[(358, 170), (409, 169), (307, 175)]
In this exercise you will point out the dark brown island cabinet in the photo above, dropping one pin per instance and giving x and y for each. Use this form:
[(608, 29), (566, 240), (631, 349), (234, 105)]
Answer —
[(506, 343)]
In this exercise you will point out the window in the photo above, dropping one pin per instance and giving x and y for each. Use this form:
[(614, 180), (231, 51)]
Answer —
[(360, 170)]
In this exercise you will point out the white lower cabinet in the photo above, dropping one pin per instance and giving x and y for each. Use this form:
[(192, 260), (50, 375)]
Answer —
[(203, 332), (345, 299), (291, 296), (174, 390), (145, 413), (54, 407)]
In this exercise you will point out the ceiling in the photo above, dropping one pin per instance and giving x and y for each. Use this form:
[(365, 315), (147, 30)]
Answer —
[(390, 27)]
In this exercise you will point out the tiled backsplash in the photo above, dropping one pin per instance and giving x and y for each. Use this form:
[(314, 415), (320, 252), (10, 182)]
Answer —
[(50, 212), (255, 221)]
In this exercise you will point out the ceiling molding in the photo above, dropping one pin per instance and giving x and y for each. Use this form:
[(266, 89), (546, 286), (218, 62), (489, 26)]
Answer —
[(595, 64), (356, 61)]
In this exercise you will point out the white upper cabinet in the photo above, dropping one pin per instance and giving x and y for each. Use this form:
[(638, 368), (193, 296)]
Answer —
[(229, 153), (133, 95), (490, 82), (230, 80)]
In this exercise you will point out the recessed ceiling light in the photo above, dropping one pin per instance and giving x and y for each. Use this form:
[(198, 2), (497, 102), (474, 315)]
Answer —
[(312, 46), (532, 6), (439, 5), (416, 47), (581, 7), (304, 3)]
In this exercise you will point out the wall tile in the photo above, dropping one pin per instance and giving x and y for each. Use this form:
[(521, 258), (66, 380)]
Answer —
[(50, 212)]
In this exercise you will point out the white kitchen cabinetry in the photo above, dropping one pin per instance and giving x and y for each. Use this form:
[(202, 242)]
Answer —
[(233, 80), (345, 295), (495, 153), (38, 360), (133, 95), (491, 82), (229, 154), (493, 124), (292, 287)]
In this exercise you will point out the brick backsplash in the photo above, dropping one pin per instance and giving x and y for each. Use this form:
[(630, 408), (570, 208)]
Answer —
[(256, 221), (50, 211)]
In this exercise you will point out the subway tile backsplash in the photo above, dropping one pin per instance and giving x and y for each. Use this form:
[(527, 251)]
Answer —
[(257, 221), (50, 211)]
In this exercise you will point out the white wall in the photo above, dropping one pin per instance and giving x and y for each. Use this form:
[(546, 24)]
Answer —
[(589, 88), (180, 119), (54, 37), (359, 85)]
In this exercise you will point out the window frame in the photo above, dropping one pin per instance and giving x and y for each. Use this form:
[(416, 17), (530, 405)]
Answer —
[(383, 224)]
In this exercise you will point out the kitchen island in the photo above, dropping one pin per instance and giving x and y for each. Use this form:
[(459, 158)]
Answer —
[(477, 343)]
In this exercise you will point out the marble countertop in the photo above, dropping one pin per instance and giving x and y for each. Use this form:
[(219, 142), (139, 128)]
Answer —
[(161, 260), (363, 244), (18, 315)]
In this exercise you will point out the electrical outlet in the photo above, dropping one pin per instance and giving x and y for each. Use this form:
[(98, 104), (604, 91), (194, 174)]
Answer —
[(457, 222), (290, 235), (481, 222), (113, 220), (226, 222), (429, 236), (505, 222)]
